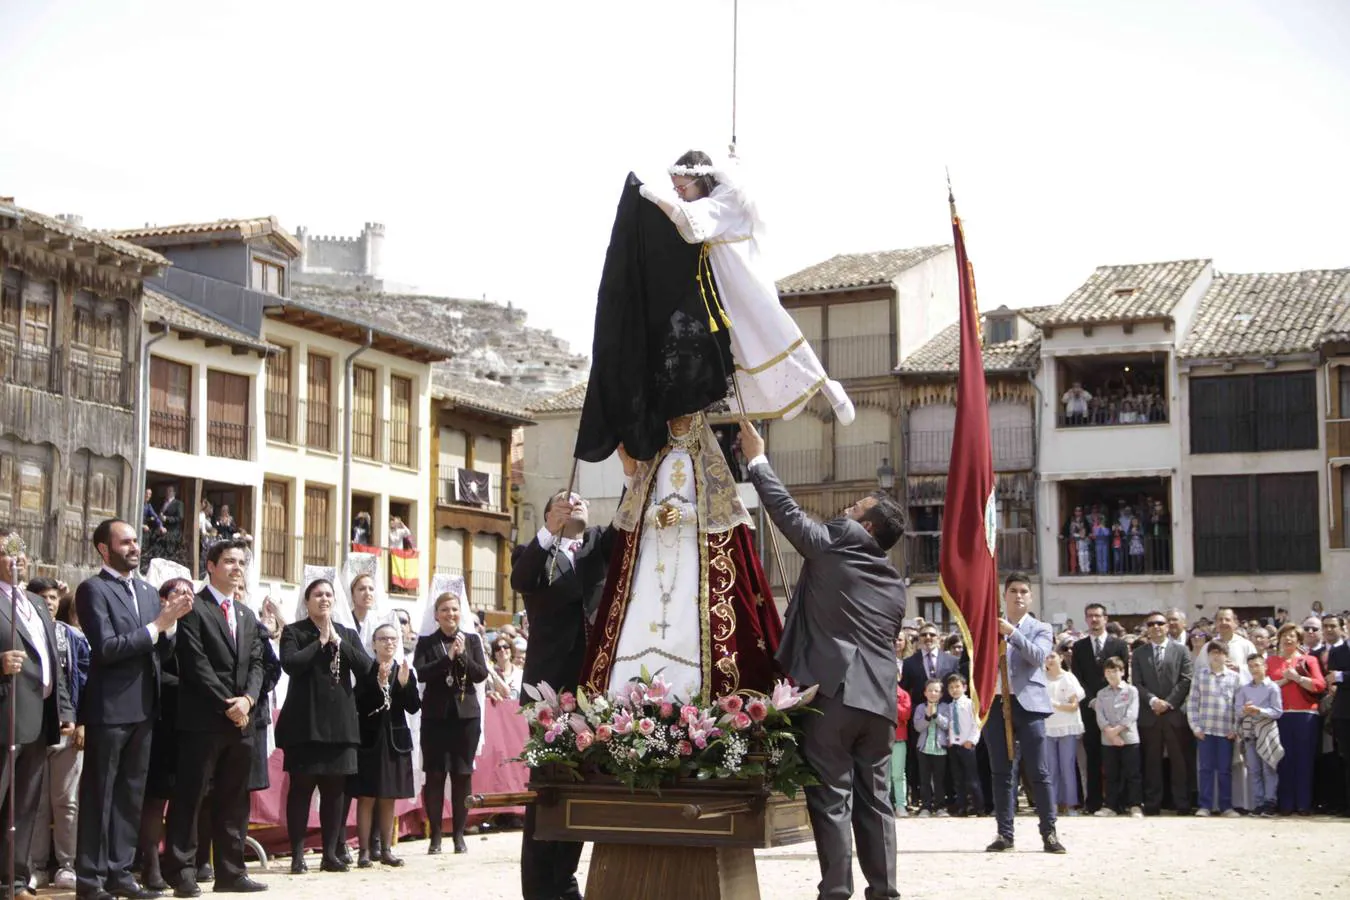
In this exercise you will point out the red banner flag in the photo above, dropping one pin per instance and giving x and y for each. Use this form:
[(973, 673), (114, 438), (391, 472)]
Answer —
[(968, 562)]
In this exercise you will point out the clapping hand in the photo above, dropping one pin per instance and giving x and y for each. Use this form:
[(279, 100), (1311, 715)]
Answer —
[(383, 675), (404, 671), (458, 646)]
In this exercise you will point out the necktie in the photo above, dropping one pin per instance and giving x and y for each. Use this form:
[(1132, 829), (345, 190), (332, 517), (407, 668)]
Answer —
[(225, 608), (1096, 646), (932, 668), (131, 595)]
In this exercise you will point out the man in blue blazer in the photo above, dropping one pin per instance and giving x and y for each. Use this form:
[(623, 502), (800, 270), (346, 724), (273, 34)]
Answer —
[(1029, 640), (130, 634)]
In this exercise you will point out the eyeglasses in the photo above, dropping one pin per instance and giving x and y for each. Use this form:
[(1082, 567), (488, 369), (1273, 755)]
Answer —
[(928, 636), (387, 639), (1311, 628), (1157, 624), (502, 648)]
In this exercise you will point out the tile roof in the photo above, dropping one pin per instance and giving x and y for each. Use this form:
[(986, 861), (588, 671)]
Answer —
[(480, 394), (1269, 314), (374, 311), (88, 235), (570, 400), (160, 306), (850, 270), (235, 229), (1122, 293), (942, 353)]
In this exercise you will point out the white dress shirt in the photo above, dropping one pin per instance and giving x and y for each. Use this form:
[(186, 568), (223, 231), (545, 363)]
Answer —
[(126, 582), (221, 600), (22, 608), (565, 544)]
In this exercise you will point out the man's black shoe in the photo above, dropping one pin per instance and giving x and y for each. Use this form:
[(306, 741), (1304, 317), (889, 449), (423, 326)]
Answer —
[(1052, 844), (205, 874), (241, 885), (187, 887), (999, 845), (134, 891)]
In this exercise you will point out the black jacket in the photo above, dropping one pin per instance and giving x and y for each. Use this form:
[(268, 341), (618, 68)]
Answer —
[(212, 668), (320, 708), (1338, 660), (125, 666), (1087, 667), (35, 717), (559, 611), (434, 666), (394, 721)]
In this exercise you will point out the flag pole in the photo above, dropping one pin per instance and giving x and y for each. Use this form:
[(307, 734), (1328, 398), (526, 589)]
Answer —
[(14, 549), (553, 550), (1004, 680)]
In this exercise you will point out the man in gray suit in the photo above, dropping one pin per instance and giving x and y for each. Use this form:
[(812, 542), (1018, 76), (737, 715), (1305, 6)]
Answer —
[(1029, 640), (840, 635)]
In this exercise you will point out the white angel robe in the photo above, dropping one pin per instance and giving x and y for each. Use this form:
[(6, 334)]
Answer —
[(776, 369), (659, 635)]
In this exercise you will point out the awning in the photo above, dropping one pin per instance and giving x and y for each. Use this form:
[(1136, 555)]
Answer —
[(1108, 473)]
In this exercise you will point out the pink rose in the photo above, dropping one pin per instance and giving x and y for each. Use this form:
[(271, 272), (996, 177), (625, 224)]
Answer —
[(604, 733), (731, 703), (757, 709), (740, 721), (688, 714), (584, 740), (550, 736), (545, 716), (568, 701), (646, 727), (684, 748), (667, 710), (701, 741)]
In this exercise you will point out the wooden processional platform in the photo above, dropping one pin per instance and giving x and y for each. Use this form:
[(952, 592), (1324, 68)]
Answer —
[(692, 841)]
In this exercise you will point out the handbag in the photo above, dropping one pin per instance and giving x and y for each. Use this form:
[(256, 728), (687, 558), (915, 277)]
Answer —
[(400, 739)]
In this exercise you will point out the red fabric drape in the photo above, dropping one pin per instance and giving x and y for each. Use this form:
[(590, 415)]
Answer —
[(505, 732), (968, 562)]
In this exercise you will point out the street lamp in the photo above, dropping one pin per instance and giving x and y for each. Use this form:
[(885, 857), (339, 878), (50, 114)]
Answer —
[(885, 475)]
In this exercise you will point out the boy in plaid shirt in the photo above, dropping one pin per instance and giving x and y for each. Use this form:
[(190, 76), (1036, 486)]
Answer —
[(1210, 711)]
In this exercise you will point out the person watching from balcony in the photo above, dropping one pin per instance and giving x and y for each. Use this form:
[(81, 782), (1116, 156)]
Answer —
[(1075, 402), (1101, 540), (1079, 543), (400, 535), (361, 529), (228, 529)]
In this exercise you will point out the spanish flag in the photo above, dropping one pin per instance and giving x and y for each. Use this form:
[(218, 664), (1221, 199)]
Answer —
[(403, 569), (968, 562)]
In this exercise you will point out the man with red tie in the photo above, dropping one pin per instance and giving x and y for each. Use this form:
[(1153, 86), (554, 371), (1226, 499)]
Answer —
[(220, 676)]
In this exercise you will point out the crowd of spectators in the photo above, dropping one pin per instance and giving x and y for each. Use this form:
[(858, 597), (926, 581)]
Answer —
[(1114, 401), (1134, 539), (1227, 718)]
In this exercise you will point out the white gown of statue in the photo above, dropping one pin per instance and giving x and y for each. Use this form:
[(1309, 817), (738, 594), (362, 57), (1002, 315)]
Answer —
[(665, 636), (777, 371)]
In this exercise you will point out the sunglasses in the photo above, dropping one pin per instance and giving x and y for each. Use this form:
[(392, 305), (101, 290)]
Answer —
[(1311, 628), (1157, 624)]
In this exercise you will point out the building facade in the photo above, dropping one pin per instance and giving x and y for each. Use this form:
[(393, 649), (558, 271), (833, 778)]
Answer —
[(927, 380), (71, 306), (344, 440), (478, 431)]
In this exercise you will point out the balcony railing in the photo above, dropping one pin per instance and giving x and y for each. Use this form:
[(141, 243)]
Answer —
[(279, 411), (799, 466), (1098, 558), (30, 365), (169, 431), (228, 440), (859, 357), (321, 423), (487, 590), (1101, 418), (97, 380), (275, 555), (1338, 437), (930, 452), (366, 444), (317, 549), (76, 548), (445, 495), (1015, 547), (32, 528), (401, 443), (859, 462)]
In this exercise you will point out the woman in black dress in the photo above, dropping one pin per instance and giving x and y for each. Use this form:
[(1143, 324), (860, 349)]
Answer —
[(449, 663), (318, 726), (384, 762), (159, 781)]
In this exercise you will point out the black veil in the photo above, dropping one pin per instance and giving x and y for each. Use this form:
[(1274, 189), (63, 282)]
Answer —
[(654, 356)]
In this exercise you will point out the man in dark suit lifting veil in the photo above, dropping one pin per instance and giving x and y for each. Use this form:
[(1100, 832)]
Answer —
[(130, 635), (839, 634), (560, 573)]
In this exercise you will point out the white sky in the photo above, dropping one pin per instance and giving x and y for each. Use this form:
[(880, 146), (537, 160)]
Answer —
[(492, 138)]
